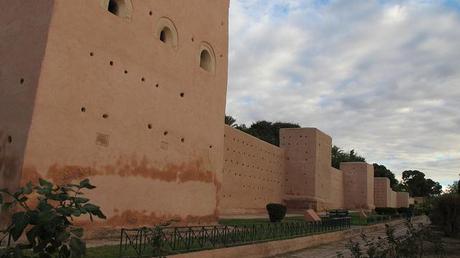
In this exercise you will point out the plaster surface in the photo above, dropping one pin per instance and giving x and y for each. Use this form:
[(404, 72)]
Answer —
[(134, 99), (253, 173), (90, 94)]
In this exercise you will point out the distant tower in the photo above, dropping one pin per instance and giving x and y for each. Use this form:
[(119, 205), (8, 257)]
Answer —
[(308, 164), (128, 93)]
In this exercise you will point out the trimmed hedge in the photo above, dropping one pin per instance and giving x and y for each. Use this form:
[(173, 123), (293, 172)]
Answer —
[(404, 210), (386, 211), (276, 211)]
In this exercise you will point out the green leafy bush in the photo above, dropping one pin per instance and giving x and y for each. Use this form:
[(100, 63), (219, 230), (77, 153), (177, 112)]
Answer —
[(43, 214), (446, 214), (386, 211), (276, 212), (404, 210)]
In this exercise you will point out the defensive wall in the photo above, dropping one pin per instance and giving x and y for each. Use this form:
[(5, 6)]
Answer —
[(131, 94), (253, 173), (385, 197), (299, 174)]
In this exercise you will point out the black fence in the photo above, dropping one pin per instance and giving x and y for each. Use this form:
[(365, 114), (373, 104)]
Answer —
[(162, 241), (5, 238)]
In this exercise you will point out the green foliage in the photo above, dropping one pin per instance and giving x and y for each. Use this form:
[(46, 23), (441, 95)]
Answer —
[(446, 214), (382, 171), (338, 155), (410, 244), (230, 121), (267, 131), (454, 188), (43, 216), (276, 212), (404, 210), (386, 211), (419, 186), (264, 130)]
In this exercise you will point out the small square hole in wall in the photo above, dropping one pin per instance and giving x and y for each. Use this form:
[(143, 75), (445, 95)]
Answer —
[(102, 139)]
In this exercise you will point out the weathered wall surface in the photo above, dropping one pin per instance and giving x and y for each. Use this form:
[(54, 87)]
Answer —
[(23, 34), (393, 199), (135, 114), (336, 198), (402, 199), (358, 184), (382, 192), (253, 173), (308, 161)]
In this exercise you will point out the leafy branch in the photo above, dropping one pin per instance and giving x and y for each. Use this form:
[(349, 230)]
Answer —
[(43, 216)]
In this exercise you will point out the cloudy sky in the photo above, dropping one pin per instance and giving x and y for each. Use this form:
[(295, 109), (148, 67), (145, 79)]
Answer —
[(380, 77)]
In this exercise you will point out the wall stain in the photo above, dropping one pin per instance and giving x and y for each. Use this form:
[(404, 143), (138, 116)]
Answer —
[(29, 174), (193, 171), (134, 218), (9, 164)]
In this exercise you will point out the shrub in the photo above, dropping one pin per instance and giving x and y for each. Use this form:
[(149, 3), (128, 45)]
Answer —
[(446, 214), (409, 244), (386, 211), (404, 210), (43, 216), (276, 212)]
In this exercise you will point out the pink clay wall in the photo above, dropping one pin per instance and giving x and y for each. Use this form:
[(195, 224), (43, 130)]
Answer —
[(336, 197), (393, 199), (358, 185), (382, 192), (402, 199), (253, 173), (103, 98), (308, 161), (23, 40)]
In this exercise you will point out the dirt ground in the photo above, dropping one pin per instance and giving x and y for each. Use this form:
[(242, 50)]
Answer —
[(451, 247)]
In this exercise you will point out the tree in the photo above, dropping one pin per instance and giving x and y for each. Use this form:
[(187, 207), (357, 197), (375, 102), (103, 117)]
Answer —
[(230, 121), (382, 171), (267, 131), (44, 215), (338, 155), (453, 188), (417, 185)]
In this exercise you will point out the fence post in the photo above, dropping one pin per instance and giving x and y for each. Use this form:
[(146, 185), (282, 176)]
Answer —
[(121, 242)]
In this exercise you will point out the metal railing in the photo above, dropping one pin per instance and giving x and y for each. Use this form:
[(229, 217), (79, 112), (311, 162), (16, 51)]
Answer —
[(5, 238), (162, 241)]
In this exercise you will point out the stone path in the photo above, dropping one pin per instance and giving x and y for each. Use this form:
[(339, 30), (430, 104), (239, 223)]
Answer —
[(331, 250)]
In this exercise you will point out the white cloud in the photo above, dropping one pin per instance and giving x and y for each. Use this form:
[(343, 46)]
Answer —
[(382, 78)]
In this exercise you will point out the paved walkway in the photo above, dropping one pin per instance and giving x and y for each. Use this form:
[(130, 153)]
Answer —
[(331, 250)]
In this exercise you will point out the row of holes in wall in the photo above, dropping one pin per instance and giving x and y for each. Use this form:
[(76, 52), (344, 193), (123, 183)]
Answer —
[(247, 189), (230, 162), (149, 126), (167, 32), (263, 199), (142, 79), (259, 150), (230, 172), (290, 137), (234, 159), (282, 144), (271, 159)]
